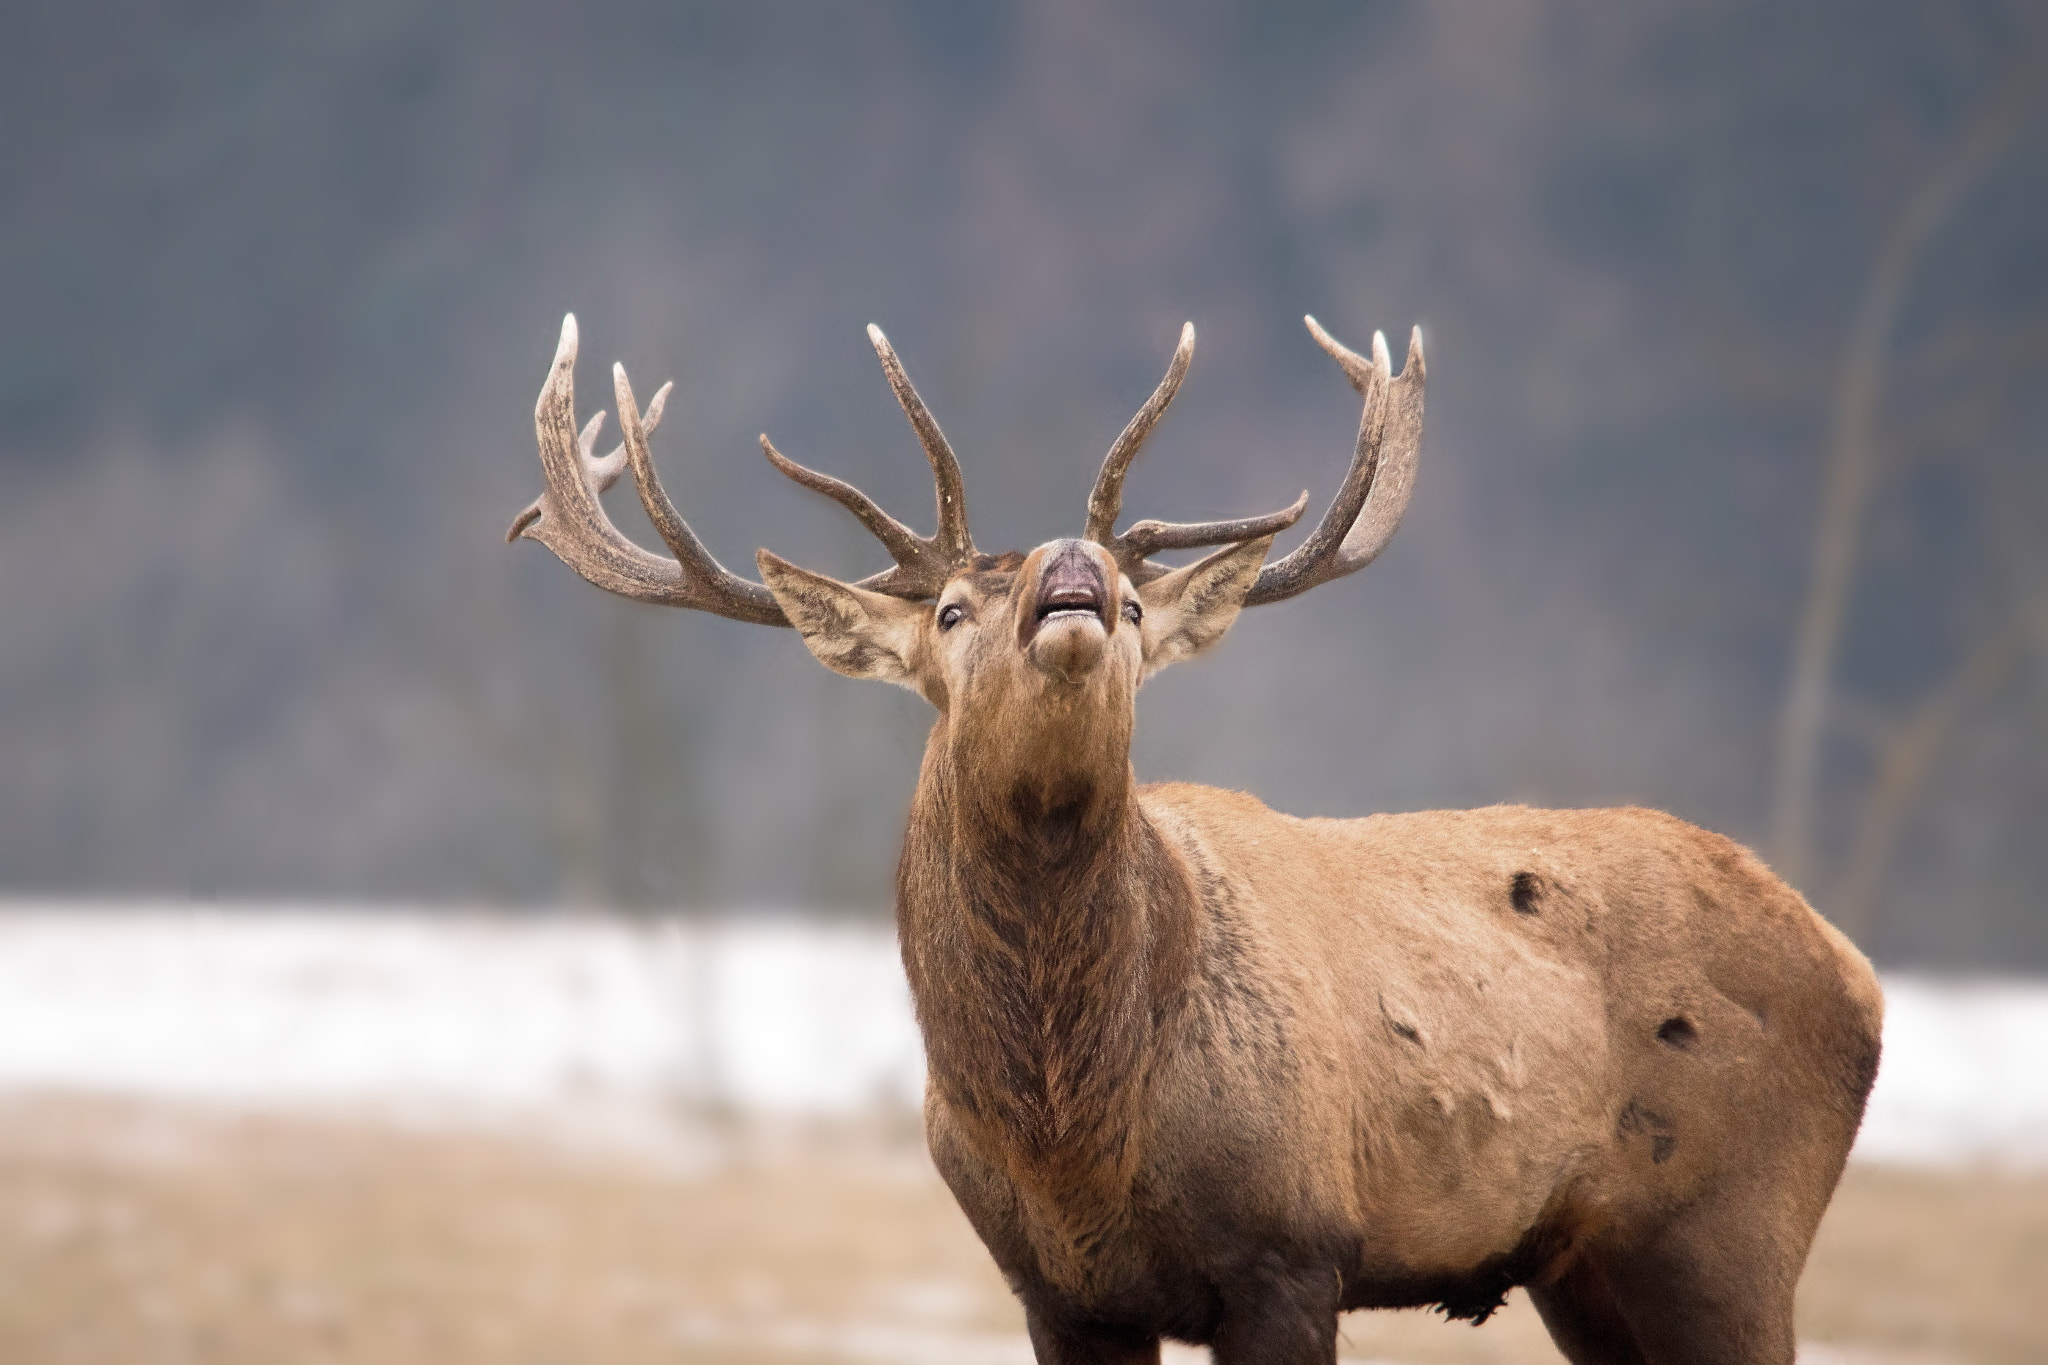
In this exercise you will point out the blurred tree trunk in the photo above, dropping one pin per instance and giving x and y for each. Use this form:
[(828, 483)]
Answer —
[(1908, 757), (576, 800), (656, 844), (1853, 439)]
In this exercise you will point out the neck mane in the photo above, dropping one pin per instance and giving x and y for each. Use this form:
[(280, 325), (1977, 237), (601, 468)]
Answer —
[(1047, 932)]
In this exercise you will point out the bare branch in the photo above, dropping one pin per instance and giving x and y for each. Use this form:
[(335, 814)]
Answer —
[(1852, 454), (1907, 759)]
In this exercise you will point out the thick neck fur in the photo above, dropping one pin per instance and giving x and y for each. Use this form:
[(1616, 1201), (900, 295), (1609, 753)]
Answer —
[(1046, 930)]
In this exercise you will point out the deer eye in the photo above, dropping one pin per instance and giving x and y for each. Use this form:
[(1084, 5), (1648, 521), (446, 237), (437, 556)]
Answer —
[(1133, 612), (949, 616)]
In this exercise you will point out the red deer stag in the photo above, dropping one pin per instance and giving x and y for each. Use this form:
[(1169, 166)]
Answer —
[(1202, 1071)]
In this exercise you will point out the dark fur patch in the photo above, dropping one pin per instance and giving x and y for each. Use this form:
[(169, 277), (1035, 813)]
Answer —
[(1637, 1121), (857, 657), (1859, 1068), (1236, 1003), (1678, 1032), (1472, 1297), (1524, 891), (1484, 1300)]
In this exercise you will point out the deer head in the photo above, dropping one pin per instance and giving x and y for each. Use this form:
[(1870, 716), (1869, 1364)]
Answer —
[(1013, 649)]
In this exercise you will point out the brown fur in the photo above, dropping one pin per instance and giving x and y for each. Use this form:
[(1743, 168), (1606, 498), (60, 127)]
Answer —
[(1203, 1071)]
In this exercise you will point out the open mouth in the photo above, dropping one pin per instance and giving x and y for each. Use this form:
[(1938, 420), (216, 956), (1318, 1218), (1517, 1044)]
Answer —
[(1071, 585)]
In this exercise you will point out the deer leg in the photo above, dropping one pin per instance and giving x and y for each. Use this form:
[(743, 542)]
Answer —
[(1283, 1318), (1055, 1343), (1714, 1284), (1583, 1318), (1715, 1287), (1743, 1322)]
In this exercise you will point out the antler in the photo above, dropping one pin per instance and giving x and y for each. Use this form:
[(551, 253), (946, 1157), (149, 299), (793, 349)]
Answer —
[(1375, 492), (569, 519), (923, 563), (1147, 538), (1361, 518)]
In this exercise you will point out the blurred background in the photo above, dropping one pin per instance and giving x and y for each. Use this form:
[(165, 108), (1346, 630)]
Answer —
[(1698, 281), (1732, 502)]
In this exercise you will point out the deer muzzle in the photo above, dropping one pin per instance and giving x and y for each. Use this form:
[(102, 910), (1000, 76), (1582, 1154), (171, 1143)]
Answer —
[(1065, 626)]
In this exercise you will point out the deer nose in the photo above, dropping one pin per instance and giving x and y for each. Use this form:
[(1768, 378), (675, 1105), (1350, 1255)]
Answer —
[(1065, 622), (1072, 582)]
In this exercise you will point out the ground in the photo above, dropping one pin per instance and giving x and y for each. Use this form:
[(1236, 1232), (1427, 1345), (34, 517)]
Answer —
[(133, 1233)]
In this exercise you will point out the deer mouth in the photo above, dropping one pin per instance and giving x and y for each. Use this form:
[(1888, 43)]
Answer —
[(1066, 622), (1071, 586)]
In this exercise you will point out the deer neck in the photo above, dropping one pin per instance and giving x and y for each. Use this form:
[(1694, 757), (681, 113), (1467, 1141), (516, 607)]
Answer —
[(1046, 930)]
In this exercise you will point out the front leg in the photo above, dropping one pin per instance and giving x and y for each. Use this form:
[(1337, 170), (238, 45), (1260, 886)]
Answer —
[(1279, 1315), (990, 1203), (1064, 1344)]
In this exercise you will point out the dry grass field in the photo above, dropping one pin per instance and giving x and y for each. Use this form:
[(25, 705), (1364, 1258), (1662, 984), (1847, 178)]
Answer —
[(136, 1234)]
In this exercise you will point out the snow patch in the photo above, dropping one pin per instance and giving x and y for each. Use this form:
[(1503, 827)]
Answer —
[(283, 1005)]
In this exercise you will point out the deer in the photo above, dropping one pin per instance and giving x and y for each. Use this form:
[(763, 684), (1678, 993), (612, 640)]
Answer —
[(1205, 1072)]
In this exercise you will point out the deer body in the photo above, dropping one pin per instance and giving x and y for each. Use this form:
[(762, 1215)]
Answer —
[(1396, 1061), (1199, 1070)]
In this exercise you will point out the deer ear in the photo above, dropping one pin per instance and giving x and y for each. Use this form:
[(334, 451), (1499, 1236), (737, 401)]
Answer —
[(852, 631), (1189, 609)]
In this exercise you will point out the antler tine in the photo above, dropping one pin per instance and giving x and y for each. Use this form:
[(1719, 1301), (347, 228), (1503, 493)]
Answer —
[(1360, 371), (569, 519), (1394, 482), (1146, 538), (1106, 499), (1362, 517), (720, 590), (604, 470), (952, 538), (921, 567)]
